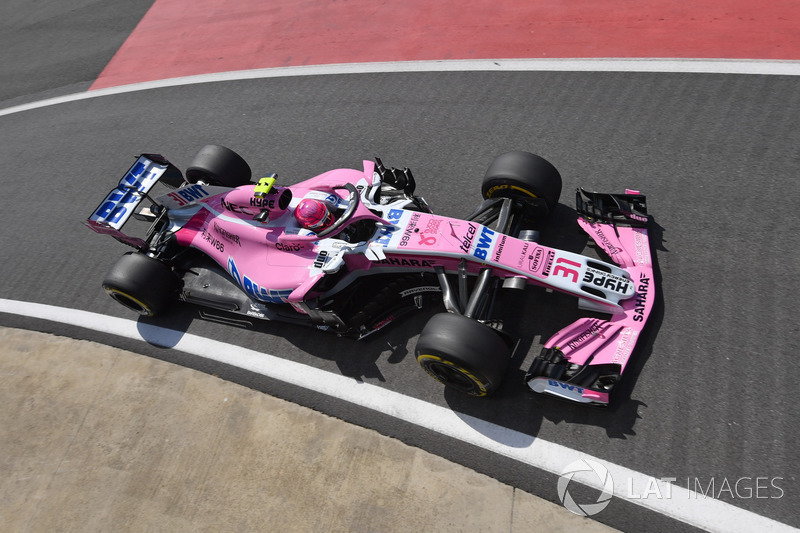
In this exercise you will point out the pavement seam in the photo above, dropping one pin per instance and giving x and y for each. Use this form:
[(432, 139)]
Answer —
[(511, 520)]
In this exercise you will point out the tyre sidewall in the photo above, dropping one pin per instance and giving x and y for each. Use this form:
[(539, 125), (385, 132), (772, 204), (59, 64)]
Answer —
[(219, 165), (522, 175), (463, 345), (141, 283)]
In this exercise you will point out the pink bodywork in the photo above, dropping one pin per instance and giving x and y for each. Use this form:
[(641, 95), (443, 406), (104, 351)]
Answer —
[(596, 341), (277, 261), (274, 260)]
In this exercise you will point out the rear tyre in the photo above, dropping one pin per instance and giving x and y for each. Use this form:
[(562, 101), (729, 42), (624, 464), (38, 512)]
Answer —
[(463, 354), (217, 165), (141, 283), (522, 175)]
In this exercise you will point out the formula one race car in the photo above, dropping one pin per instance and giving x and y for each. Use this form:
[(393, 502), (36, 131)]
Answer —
[(350, 251)]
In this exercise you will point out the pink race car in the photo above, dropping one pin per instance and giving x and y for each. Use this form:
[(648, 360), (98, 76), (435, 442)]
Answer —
[(350, 251)]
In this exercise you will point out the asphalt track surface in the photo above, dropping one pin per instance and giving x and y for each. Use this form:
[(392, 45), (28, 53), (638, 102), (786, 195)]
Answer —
[(708, 395)]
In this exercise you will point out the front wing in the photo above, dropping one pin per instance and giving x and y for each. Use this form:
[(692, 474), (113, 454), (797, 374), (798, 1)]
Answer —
[(583, 361)]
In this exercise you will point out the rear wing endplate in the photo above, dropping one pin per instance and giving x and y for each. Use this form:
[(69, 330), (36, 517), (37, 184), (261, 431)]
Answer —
[(121, 202), (117, 207)]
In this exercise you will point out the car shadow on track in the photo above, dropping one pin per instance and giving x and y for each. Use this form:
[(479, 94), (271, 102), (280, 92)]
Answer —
[(532, 314), (514, 407), (361, 359)]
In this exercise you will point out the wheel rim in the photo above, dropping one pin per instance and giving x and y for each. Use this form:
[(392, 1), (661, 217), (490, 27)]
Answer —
[(129, 301), (452, 375), (204, 178)]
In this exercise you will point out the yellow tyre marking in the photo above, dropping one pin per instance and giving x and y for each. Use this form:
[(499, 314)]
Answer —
[(491, 191), (423, 357), (148, 311)]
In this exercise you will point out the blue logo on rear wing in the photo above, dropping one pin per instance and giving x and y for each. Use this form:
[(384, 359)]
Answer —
[(120, 203)]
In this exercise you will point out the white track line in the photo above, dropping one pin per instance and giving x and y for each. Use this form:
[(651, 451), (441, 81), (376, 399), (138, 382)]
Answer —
[(683, 505), (703, 66)]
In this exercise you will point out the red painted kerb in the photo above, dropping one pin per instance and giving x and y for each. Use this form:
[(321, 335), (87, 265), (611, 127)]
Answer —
[(187, 37)]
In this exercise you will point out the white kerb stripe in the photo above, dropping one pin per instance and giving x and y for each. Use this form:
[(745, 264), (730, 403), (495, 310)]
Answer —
[(697, 66), (684, 505)]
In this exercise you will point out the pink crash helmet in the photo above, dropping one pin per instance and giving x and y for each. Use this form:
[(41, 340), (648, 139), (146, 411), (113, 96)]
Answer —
[(313, 214)]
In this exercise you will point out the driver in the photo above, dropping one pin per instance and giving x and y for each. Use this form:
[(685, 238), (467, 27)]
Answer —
[(313, 214)]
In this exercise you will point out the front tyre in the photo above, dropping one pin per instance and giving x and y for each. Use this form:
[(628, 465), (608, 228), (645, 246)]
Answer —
[(522, 175), (141, 283), (463, 354)]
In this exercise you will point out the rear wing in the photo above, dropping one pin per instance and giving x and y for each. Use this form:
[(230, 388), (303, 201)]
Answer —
[(121, 202)]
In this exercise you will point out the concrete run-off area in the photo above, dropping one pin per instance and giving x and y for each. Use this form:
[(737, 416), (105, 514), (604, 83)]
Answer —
[(99, 439)]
